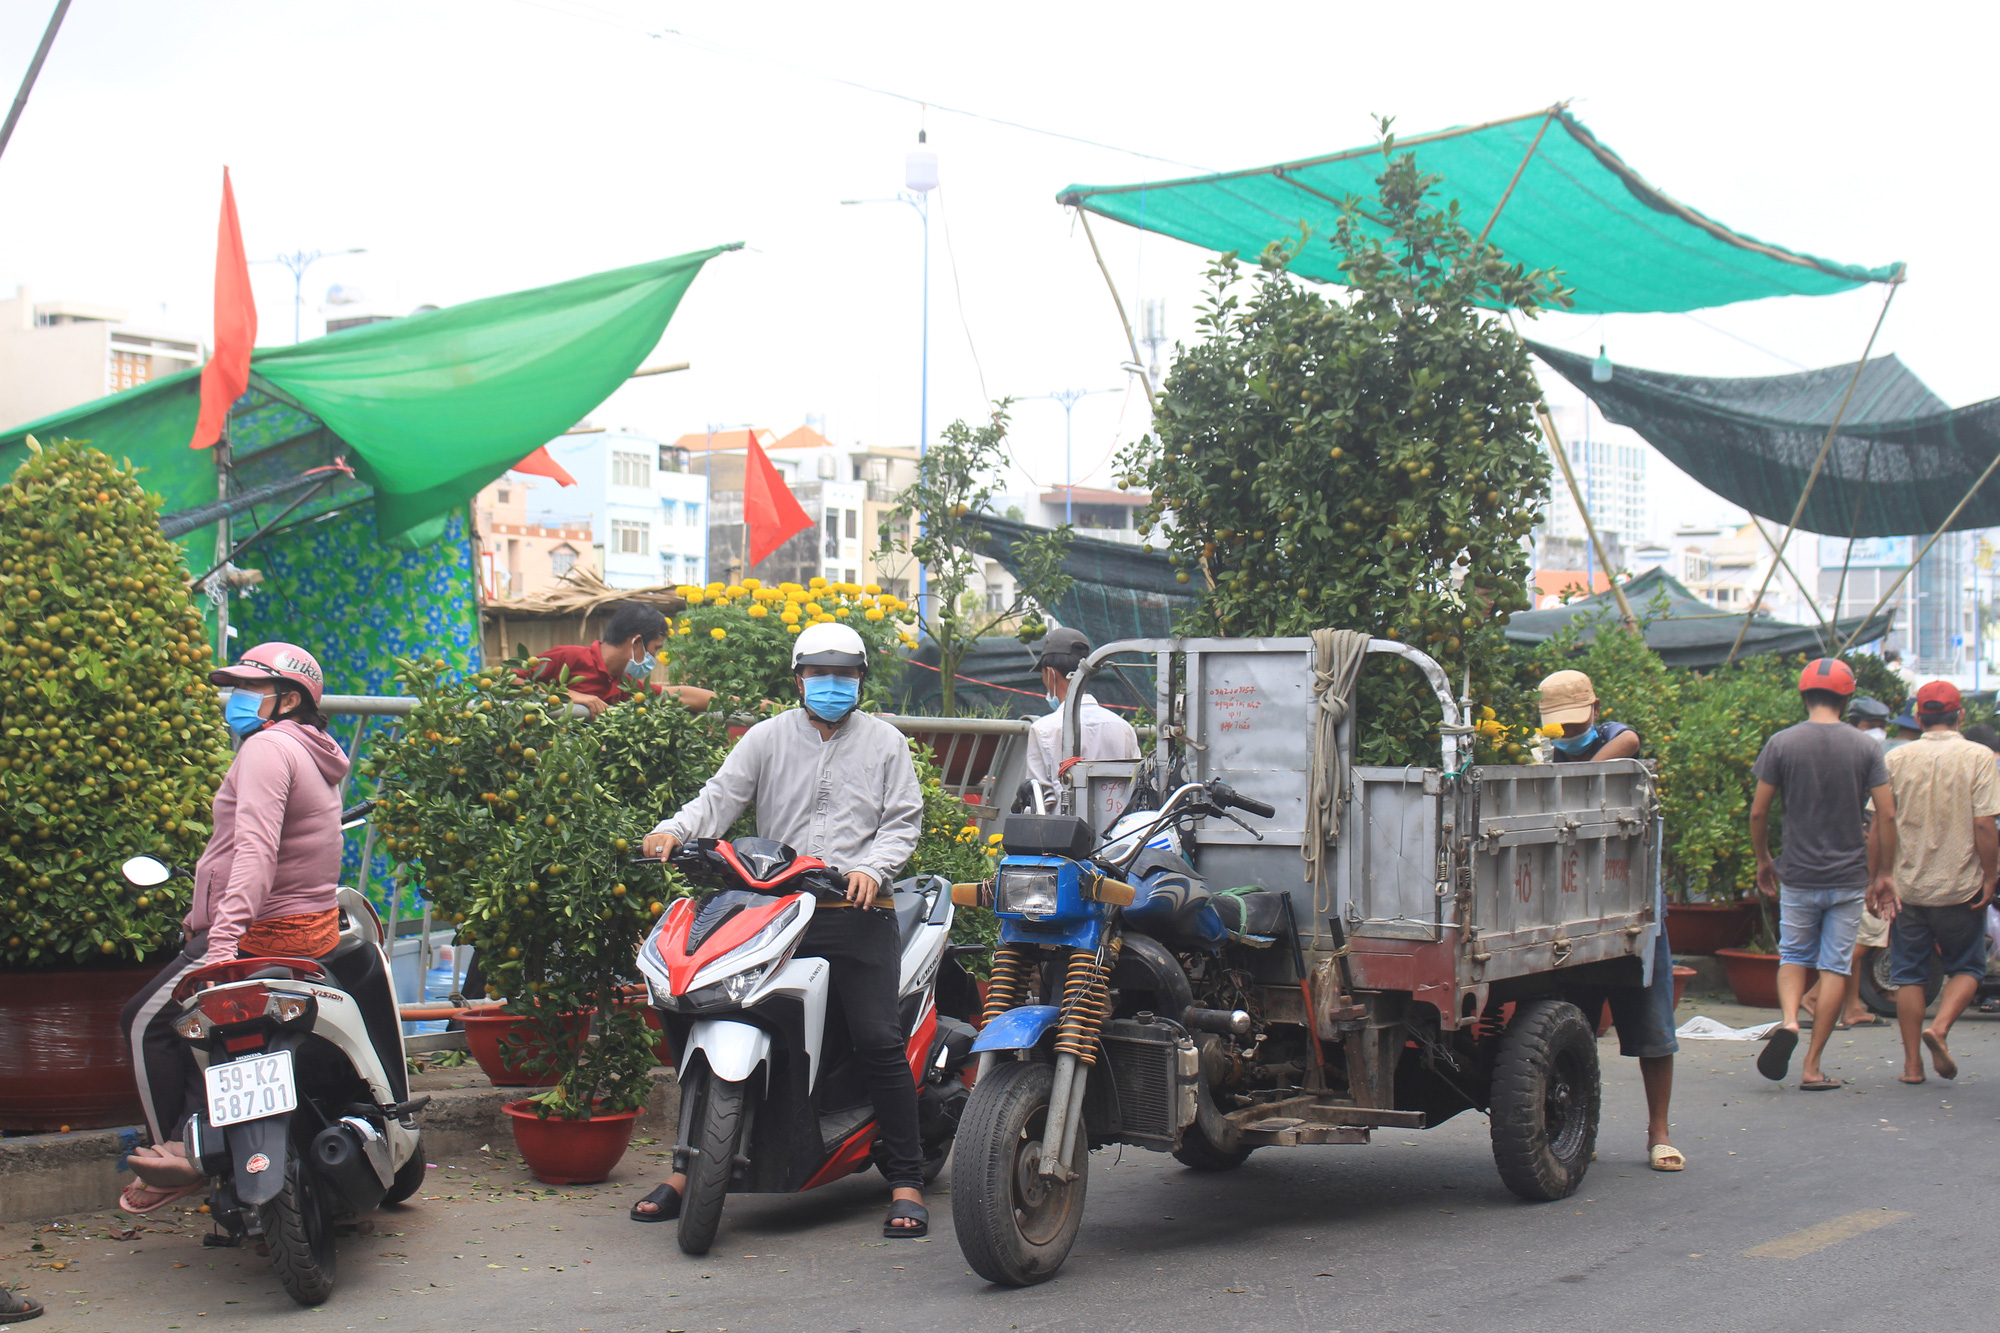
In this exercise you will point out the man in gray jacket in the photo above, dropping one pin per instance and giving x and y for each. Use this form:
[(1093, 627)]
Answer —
[(833, 783)]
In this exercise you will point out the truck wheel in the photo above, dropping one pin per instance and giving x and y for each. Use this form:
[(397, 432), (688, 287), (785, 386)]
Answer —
[(1014, 1226), (1878, 992), (1198, 1152), (299, 1236), (714, 1140), (410, 1178), (1546, 1097)]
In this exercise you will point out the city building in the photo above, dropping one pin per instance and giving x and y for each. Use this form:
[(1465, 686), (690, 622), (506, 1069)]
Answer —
[(517, 557), (1109, 516), (1936, 618), (59, 354), (1610, 466), (647, 512)]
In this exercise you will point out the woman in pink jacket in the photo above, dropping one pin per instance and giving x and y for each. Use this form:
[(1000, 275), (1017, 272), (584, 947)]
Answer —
[(264, 887)]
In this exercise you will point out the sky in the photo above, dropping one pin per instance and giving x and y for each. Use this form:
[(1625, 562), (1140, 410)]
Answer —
[(478, 148)]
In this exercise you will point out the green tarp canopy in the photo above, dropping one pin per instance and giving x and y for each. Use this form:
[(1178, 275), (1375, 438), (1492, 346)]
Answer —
[(1622, 244), (1117, 591), (1687, 632), (1899, 465), (427, 409)]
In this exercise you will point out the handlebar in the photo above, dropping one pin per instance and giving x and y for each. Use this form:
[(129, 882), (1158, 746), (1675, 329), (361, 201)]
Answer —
[(352, 813), (1226, 796)]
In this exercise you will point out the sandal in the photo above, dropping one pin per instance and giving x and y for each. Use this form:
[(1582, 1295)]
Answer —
[(139, 1198), (1666, 1157), (161, 1170), (16, 1308), (1819, 1085), (1776, 1057), (903, 1209), (666, 1201)]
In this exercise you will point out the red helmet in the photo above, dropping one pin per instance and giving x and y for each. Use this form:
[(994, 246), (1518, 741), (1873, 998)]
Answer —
[(274, 661), (1829, 674)]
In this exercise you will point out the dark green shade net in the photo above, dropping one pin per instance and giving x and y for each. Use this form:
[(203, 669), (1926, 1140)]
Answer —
[(1688, 631), (1619, 242), (427, 409), (1117, 592), (1900, 463)]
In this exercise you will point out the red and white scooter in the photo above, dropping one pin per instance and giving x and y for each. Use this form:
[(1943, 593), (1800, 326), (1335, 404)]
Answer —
[(773, 1100)]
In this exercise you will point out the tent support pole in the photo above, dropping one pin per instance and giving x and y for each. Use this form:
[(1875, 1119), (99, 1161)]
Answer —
[(1508, 193), (1576, 494), (1942, 527), (1826, 447), (1847, 558), (1827, 633), (222, 547)]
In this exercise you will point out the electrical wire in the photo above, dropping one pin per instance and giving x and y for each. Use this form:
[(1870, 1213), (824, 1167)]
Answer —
[(1757, 347), (958, 291)]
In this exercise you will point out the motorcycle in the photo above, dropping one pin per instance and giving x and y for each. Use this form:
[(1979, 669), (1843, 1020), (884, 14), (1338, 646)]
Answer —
[(1117, 1011), (300, 1128), (772, 1098)]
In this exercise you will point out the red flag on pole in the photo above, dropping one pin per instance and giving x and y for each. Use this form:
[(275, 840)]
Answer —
[(770, 511), (541, 464), (227, 373)]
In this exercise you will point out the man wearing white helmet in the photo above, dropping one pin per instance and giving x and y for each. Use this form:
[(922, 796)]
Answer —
[(837, 784)]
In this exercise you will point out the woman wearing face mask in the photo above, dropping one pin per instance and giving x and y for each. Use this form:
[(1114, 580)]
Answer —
[(616, 667), (1570, 701), (265, 887)]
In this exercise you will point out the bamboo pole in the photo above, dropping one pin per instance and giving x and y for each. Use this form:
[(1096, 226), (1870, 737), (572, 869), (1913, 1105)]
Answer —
[(1508, 193), (1826, 447), (1576, 494), (1827, 633), (1854, 526), (1942, 527)]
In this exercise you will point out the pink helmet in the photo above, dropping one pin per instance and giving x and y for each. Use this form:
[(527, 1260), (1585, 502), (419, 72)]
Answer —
[(274, 661)]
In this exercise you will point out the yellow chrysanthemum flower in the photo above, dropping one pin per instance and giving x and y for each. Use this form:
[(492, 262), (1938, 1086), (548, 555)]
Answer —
[(872, 613), (815, 582), (735, 590), (811, 608), (841, 611), (753, 584), (791, 629), (872, 589), (1550, 729), (789, 616), (757, 611)]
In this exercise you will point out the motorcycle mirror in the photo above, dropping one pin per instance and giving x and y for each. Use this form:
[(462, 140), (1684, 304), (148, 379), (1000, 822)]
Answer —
[(145, 872)]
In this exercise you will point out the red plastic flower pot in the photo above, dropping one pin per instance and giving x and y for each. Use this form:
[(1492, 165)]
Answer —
[(1753, 977), (570, 1152), (500, 1060), (67, 1065), (1704, 928)]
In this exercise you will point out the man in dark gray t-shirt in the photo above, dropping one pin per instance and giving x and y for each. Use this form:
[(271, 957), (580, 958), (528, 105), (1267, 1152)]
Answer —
[(1827, 773)]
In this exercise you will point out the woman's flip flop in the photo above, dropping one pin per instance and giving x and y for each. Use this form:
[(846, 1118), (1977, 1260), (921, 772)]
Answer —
[(139, 1198), (1819, 1085), (666, 1201), (903, 1208)]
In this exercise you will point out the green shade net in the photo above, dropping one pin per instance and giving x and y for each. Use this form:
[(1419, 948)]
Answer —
[(427, 409), (1116, 592), (1687, 632), (1621, 243), (1900, 464)]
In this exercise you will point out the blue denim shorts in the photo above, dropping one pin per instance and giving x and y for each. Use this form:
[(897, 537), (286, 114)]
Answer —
[(1919, 934), (1644, 1016), (1816, 927)]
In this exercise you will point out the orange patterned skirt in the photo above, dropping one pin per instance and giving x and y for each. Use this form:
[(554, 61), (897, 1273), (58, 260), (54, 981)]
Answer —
[(307, 935)]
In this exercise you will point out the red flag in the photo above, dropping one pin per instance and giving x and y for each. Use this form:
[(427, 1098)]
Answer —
[(227, 373), (770, 510), (540, 464)]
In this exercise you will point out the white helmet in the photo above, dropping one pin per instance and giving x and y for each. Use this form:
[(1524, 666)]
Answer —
[(829, 644)]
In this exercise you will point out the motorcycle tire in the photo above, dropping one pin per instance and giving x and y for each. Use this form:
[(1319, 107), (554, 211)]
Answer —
[(1546, 1099), (1878, 992), (299, 1235), (934, 1165), (1014, 1227), (410, 1177), (715, 1143)]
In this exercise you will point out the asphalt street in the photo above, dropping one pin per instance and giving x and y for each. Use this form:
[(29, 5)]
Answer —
[(1860, 1208)]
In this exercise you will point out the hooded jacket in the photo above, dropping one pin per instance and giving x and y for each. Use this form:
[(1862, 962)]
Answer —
[(276, 847)]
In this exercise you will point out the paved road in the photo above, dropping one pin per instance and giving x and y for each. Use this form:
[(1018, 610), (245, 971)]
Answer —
[(1871, 1201)]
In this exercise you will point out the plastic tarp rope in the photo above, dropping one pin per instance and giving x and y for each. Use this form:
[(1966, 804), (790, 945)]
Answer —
[(1620, 242), (428, 409), (1691, 633), (1900, 463)]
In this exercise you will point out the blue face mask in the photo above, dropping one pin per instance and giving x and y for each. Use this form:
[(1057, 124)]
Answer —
[(831, 698), (1576, 744), (640, 667), (1054, 703), (241, 714)]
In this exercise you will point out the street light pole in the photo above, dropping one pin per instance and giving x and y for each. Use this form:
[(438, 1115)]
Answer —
[(1068, 398), (298, 262)]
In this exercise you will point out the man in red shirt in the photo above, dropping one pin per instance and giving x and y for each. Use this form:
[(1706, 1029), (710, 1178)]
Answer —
[(611, 669)]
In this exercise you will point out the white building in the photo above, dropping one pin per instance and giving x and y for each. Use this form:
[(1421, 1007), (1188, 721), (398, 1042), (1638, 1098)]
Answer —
[(1610, 466), (647, 513), (56, 355), (1936, 624)]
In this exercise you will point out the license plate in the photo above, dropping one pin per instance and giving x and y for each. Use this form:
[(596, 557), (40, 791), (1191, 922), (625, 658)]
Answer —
[(251, 1088)]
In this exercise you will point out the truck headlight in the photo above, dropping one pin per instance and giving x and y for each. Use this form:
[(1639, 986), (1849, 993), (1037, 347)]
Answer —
[(1026, 891)]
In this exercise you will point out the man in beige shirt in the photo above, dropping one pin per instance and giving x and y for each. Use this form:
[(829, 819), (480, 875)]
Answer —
[(1946, 855)]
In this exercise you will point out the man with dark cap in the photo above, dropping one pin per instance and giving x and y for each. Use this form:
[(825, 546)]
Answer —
[(1104, 735), (1870, 717), (1903, 730)]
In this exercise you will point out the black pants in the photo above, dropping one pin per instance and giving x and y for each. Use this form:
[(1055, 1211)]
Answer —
[(170, 1083), (866, 957)]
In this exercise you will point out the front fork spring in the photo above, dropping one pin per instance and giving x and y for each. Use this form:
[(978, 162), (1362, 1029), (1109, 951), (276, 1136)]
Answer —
[(1007, 988), (1086, 1002)]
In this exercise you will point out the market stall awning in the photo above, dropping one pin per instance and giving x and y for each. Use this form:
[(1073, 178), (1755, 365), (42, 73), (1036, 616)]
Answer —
[(1900, 463), (1576, 206), (427, 409), (1685, 630)]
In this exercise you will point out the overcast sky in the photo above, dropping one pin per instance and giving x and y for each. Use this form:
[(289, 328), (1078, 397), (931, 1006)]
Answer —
[(477, 148)]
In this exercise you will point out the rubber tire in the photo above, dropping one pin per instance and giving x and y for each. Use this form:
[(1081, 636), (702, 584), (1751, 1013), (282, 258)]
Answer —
[(1198, 1152), (1879, 996), (299, 1235), (410, 1178), (1012, 1096), (715, 1143), (1549, 1051), (934, 1166)]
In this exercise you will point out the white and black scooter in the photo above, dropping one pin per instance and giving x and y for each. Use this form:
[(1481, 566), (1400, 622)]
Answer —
[(301, 1126)]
